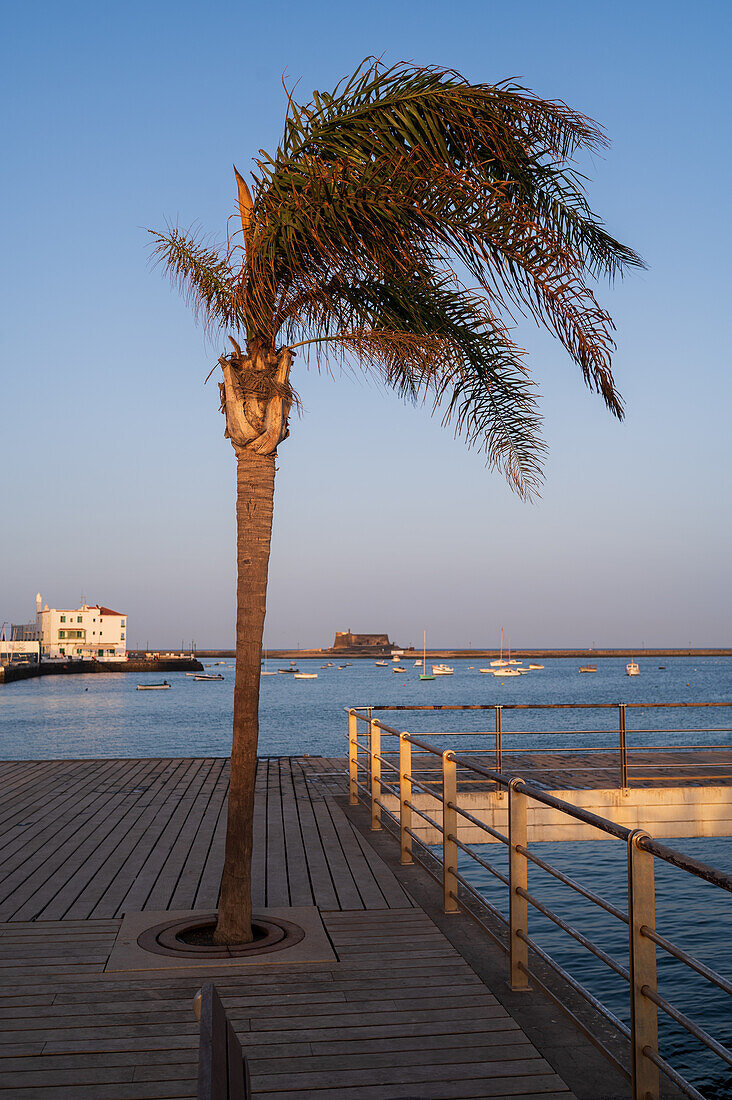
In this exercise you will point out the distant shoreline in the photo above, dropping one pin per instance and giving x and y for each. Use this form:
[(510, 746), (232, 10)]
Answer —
[(478, 654)]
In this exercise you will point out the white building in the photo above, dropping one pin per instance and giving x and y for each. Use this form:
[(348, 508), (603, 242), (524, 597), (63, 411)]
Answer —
[(89, 632)]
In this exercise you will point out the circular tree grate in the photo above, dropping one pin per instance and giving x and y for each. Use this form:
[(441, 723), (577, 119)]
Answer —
[(190, 937)]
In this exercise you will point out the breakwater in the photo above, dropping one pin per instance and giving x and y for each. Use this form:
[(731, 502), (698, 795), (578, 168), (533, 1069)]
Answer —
[(10, 673), (472, 654)]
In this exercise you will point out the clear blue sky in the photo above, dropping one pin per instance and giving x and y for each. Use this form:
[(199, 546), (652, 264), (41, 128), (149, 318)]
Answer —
[(117, 480)]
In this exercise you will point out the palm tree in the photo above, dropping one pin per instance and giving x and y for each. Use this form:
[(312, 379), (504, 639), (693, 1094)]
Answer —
[(402, 219)]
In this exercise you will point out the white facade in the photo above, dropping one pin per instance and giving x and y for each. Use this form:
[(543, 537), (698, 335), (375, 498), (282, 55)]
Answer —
[(89, 632)]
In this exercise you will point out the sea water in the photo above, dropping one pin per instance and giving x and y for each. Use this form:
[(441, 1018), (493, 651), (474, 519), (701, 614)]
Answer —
[(105, 716)]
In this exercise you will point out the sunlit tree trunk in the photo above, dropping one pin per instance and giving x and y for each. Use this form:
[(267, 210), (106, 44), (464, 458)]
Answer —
[(254, 504), (255, 400)]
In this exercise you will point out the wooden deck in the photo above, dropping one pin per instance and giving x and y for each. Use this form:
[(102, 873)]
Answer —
[(399, 1014)]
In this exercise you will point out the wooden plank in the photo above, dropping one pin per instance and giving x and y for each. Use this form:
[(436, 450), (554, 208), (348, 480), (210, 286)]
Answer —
[(327, 1030), (184, 894), (277, 889), (26, 888), (416, 1073), (319, 873), (298, 875), (347, 891), (56, 803), (140, 841), (207, 894), (165, 835), (200, 795), (82, 893)]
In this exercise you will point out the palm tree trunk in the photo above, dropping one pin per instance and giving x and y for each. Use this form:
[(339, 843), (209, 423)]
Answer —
[(254, 505)]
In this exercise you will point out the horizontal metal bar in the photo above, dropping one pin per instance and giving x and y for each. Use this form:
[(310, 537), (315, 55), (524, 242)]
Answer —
[(481, 824), (389, 787), (693, 1029), (682, 956), (531, 974), (687, 863), (694, 778), (477, 896), (481, 924), (539, 706), (387, 763), (395, 817), (575, 934), (685, 729), (589, 894), (538, 795), (576, 986), (432, 794), (482, 862), (426, 817), (673, 1075)]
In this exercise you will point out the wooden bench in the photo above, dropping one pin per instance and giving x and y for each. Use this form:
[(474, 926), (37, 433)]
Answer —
[(223, 1073)]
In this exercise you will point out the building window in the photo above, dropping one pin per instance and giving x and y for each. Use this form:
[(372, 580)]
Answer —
[(122, 637), (62, 633), (78, 618), (62, 652), (63, 618), (100, 652)]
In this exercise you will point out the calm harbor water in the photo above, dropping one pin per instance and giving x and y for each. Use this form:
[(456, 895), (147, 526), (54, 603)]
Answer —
[(105, 716)]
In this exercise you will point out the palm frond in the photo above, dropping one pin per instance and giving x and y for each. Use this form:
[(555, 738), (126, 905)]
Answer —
[(202, 275), (380, 192), (409, 169)]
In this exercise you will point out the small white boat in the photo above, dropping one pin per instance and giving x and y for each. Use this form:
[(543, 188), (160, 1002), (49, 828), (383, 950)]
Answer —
[(418, 664), (536, 666), (381, 664), (396, 658), (264, 672), (306, 675), (206, 676), (488, 671), (442, 670), (154, 687), (588, 668), (632, 669), (191, 673), (399, 670), (506, 672)]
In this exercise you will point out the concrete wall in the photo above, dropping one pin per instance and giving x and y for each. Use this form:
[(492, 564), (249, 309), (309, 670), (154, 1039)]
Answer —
[(664, 812)]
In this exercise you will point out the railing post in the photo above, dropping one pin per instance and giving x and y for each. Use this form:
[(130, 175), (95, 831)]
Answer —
[(642, 957), (622, 730), (352, 758), (499, 740), (375, 772), (449, 829), (405, 795), (518, 914)]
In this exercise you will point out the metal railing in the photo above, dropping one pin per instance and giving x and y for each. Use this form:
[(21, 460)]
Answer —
[(367, 784), (621, 763)]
